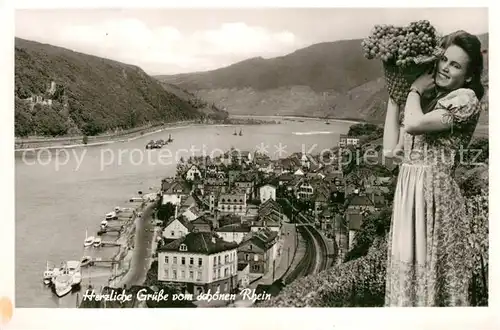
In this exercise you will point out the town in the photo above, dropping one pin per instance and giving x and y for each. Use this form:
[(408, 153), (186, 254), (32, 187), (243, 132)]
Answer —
[(243, 220)]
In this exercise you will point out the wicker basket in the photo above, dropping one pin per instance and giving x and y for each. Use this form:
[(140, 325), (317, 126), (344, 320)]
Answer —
[(399, 80)]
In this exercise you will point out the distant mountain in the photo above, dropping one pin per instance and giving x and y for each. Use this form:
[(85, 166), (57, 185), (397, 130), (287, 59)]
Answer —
[(83, 94), (331, 79)]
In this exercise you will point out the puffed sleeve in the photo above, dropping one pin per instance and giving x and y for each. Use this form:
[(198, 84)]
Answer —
[(462, 105)]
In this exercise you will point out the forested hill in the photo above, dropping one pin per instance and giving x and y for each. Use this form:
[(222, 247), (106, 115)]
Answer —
[(330, 79), (75, 93)]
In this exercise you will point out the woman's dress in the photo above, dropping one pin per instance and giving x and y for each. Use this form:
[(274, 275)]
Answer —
[(429, 258)]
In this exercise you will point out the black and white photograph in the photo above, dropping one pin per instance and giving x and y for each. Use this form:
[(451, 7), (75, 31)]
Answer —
[(251, 158)]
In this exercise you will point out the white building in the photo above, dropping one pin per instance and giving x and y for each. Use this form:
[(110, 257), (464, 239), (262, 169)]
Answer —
[(202, 261), (192, 213), (177, 228), (298, 172), (234, 233), (233, 203), (345, 141), (266, 192), (193, 173), (305, 190), (174, 191)]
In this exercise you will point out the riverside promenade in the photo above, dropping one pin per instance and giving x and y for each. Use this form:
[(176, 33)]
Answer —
[(142, 252)]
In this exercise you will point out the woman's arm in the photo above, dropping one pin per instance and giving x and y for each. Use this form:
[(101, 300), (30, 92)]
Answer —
[(393, 136), (417, 123)]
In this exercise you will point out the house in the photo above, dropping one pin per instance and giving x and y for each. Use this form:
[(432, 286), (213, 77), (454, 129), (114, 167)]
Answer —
[(235, 203), (186, 203), (211, 170), (246, 184), (335, 178), (173, 191), (211, 196), (238, 157), (314, 176), (285, 178), (379, 201), (192, 213), (234, 232), (193, 173), (264, 165), (269, 220), (305, 161), (290, 164), (202, 225), (272, 205), (201, 261), (345, 141), (177, 228), (266, 192), (354, 220), (321, 198), (259, 250), (298, 172), (304, 190), (229, 219), (233, 175), (243, 274), (360, 203)]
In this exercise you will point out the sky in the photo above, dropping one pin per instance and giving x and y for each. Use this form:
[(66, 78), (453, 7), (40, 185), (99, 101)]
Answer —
[(171, 41)]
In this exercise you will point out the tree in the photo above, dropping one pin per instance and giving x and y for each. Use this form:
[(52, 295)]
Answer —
[(165, 212)]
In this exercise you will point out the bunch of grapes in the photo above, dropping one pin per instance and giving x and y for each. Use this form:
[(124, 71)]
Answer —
[(402, 49), (401, 45)]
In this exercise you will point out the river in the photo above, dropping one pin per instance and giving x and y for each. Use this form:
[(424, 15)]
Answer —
[(62, 193)]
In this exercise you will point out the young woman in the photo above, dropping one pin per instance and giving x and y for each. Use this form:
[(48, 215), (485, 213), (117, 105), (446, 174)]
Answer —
[(429, 260)]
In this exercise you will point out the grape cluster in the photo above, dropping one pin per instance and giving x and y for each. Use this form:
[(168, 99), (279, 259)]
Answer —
[(402, 51), (400, 45)]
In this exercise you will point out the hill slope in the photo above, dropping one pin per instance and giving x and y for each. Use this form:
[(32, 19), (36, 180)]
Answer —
[(91, 94), (330, 79)]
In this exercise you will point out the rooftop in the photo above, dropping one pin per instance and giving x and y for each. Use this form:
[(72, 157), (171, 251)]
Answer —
[(200, 242), (235, 227)]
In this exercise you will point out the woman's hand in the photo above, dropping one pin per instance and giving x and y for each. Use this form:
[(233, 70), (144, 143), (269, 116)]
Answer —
[(424, 83)]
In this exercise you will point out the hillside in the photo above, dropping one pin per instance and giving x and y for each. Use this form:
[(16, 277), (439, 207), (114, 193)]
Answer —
[(330, 79), (90, 95)]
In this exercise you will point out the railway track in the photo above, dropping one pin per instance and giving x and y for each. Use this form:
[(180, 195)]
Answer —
[(308, 262), (315, 258)]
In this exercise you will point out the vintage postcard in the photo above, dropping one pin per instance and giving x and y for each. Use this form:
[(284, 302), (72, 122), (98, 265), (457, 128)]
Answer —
[(250, 158)]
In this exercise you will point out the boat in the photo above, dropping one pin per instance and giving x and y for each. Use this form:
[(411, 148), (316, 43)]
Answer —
[(49, 274), (86, 261), (89, 240), (104, 224), (241, 133), (235, 133), (74, 268), (63, 283), (97, 242), (111, 216)]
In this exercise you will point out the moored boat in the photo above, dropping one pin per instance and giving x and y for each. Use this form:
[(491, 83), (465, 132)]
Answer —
[(86, 261), (49, 274), (89, 240), (63, 283), (97, 242)]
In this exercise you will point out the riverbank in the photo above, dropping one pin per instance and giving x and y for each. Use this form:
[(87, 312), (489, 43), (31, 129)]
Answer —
[(350, 121), (37, 143)]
